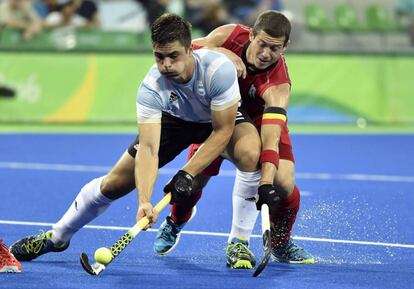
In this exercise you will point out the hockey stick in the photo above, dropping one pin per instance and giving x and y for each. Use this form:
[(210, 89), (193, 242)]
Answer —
[(267, 244), (116, 249)]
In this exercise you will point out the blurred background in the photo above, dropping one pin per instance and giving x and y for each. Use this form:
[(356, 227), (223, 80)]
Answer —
[(80, 62)]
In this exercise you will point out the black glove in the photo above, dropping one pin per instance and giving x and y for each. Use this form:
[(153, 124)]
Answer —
[(269, 195), (180, 186)]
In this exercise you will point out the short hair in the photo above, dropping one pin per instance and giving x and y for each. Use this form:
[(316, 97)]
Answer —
[(170, 27), (273, 23)]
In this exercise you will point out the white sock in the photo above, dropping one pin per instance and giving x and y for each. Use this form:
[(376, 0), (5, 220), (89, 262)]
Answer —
[(244, 204), (88, 204)]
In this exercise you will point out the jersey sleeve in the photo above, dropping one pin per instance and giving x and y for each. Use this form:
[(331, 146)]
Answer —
[(148, 105), (224, 87)]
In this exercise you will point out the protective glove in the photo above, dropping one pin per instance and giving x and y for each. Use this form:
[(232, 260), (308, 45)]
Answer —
[(269, 195), (180, 186)]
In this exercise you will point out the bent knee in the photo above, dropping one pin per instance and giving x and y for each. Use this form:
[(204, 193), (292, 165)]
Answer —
[(248, 160), (116, 186)]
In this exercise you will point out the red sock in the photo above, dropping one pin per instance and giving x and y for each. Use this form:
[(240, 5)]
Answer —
[(283, 217), (181, 212)]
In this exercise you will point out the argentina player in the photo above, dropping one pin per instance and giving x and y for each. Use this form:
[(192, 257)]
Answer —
[(186, 97)]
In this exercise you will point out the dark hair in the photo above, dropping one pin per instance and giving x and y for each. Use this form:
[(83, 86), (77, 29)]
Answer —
[(273, 23), (169, 28)]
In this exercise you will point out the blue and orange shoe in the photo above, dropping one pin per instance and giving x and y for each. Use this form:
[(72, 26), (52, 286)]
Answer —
[(33, 246), (292, 254)]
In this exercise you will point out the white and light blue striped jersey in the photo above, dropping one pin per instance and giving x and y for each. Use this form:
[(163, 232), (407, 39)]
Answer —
[(213, 86)]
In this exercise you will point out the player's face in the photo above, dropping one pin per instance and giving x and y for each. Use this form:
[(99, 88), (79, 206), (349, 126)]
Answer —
[(173, 61), (265, 50)]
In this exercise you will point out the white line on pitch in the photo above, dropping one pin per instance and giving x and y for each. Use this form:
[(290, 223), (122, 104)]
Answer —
[(119, 228), (224, 173)]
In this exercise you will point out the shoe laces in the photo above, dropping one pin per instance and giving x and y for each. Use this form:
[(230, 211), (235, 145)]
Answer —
[(239, 249), (288, 250), (167, 232), (36, 244)]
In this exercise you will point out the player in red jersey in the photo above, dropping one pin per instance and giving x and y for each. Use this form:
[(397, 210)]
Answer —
[(265, 89)]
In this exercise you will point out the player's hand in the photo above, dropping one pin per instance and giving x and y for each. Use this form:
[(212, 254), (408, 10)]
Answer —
[(237, 61), (180, 186), (146, 210), (267, 194)]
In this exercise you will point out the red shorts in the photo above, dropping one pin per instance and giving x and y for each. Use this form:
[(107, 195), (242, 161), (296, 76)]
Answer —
[(285, 152)]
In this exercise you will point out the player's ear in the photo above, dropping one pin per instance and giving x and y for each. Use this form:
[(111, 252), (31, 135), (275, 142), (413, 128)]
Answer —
[(251, 36), (286, 45)]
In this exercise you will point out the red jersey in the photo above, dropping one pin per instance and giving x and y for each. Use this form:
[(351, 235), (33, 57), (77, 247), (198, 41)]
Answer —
[(255, 83), (251, 90)]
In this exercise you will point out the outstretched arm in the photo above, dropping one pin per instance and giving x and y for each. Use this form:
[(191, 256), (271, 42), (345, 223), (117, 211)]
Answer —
[(215, 39), (146, 168), (276, 101)]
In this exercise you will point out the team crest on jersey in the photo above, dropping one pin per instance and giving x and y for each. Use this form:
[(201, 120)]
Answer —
[(252, 91), (173, 97)]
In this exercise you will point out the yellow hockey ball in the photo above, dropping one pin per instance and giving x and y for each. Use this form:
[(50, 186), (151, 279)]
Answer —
[(103, 256)]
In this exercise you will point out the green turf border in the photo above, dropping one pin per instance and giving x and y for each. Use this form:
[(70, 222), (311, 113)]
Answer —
[(130, 128)]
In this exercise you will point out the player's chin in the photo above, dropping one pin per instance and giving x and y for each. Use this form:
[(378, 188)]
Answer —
[(263, 64)]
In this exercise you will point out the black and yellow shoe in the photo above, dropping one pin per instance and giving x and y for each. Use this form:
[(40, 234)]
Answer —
[(239, 255), (32, 247)]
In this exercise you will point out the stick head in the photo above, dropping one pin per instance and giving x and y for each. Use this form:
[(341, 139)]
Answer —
[(267, 247), (93, 269)]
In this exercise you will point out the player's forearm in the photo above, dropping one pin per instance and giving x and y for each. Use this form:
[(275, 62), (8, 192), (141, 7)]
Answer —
[(210, 150), (223, 50), (230, 54), (274, 118), (213, 46), (146, 172), (270, 136)]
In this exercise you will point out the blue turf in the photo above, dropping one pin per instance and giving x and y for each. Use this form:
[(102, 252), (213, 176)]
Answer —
[(374, 211)]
